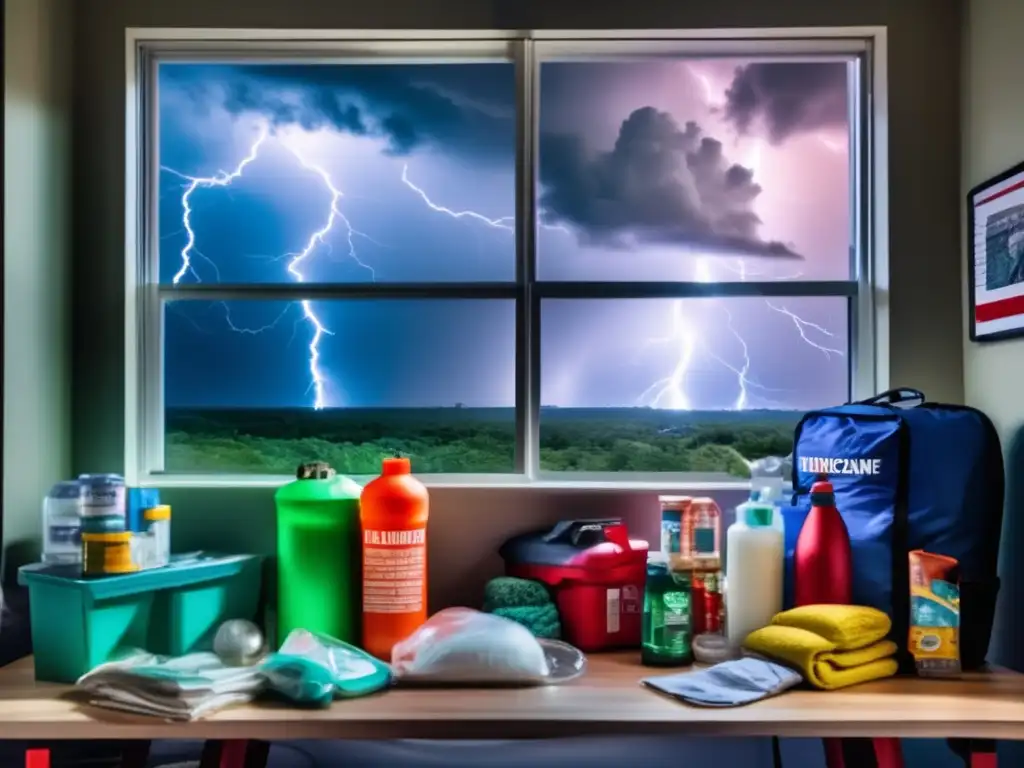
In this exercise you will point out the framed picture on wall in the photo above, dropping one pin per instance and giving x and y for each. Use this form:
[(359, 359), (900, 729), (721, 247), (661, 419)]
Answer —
[(995, 247)]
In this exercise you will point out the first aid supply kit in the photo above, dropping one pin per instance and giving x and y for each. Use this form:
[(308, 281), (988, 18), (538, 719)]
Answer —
[(908, 474), (596, 574)]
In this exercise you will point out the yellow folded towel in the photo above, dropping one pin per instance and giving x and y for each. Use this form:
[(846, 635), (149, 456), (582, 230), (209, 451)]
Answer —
[(821, 661), (846, 626)]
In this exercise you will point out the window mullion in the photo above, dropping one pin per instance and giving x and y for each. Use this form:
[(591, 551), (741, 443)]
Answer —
[(527, 316)]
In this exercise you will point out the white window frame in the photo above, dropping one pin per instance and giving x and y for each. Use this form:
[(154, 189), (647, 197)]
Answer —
[(867, 289)]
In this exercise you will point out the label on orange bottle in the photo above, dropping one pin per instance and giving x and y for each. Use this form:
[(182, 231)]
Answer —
[(394, 570)]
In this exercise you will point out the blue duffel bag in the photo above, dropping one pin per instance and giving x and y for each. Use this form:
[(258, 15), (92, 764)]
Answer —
[(908, 474)]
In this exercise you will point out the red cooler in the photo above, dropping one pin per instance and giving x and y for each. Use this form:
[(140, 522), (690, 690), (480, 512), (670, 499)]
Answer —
[(596, 574)]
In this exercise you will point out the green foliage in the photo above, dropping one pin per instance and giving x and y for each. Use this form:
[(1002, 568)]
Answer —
[(471, 440)]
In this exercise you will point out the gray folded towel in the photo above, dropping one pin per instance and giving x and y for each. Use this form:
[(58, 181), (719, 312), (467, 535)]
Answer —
[(729, 684)]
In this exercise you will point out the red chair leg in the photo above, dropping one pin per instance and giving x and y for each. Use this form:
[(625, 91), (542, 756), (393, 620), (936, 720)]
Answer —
[(233, 754), (239, 753), (863, 753), (37, 758), (888, 753)]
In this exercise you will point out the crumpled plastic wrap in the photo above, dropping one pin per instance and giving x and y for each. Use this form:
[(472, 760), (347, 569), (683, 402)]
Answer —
[(468, 647), (313, 669)]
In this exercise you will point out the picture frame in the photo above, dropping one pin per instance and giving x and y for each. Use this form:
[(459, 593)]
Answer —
[(995, 256)]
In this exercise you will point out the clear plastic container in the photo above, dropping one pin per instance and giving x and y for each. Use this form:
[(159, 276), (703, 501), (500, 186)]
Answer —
[(103, 495), (62, 523), (702, 530), (158, 522)]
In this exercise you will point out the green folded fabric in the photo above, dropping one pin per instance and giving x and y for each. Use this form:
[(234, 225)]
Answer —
[(510, 592), (525, 602)]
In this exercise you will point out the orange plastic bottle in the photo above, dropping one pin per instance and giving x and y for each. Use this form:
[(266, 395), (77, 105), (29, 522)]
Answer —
[(393, 513)]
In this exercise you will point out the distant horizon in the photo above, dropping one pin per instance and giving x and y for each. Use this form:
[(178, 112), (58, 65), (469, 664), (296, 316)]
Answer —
[(648, 408)]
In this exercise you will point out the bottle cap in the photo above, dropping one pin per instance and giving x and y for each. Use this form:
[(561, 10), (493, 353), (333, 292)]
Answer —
[(397, 465), (755, 495), (66, 489), (760, 515), (823, 494), (657, 564), (314, 470), (159, 512)]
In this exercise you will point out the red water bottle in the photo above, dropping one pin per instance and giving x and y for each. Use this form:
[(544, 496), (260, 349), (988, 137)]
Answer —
[(823, 565)]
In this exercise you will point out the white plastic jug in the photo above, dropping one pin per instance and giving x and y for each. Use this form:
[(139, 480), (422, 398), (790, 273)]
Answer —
[(754, 571)]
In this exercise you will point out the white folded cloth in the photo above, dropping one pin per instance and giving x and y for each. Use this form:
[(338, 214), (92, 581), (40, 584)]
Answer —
[(183, 688)]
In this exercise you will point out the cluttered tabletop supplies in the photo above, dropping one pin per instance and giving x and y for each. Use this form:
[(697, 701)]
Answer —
[(608, 700), (807, 615)]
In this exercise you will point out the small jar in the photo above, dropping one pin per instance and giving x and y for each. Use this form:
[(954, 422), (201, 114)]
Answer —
[(103, 524), (62, 523), (157, 521), (107, 554), (102, 495)]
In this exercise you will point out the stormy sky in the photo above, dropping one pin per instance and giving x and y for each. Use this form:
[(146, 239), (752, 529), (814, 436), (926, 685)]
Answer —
[(655, 170)]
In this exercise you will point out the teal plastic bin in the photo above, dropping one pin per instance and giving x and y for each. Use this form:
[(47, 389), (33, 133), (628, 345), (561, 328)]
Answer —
[(79, 623)]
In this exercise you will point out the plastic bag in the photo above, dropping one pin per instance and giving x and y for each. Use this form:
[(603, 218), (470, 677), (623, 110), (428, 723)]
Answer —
[(314, 669), (461, 645), (768, 476)]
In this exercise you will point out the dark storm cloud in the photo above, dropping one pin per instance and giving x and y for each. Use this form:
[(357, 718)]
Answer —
[(660, 183), (788, 98), (407, 106)]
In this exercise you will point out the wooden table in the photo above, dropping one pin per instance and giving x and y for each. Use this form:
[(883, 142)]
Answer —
[(607, 700)]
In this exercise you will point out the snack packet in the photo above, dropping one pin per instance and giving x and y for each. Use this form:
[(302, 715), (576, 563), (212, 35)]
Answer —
[(934, 638)]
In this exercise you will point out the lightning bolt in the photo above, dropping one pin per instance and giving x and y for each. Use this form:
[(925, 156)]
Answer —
[(670, 391), (222, 179), (802, 326), (318, 380), (686, 335), (503, 222)]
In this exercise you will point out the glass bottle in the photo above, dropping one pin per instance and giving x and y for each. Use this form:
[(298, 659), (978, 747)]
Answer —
[(666, 636)]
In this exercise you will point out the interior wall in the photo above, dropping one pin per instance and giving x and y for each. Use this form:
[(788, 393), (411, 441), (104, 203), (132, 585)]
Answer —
[(993, 140), (37, 263), (923, 135)]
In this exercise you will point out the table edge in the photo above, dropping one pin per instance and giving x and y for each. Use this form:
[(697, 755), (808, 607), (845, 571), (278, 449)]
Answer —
[(463, 729)]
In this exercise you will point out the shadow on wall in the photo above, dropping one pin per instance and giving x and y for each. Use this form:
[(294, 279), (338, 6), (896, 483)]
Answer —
[(467, 525), (1008, 634)]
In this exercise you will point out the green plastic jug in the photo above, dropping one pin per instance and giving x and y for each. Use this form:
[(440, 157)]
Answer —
[(319, 554)]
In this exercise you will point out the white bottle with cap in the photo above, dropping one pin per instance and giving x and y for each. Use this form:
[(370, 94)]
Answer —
[(754, 565)]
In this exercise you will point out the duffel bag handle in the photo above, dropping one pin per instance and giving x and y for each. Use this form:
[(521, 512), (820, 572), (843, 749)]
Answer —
[(895, 396)]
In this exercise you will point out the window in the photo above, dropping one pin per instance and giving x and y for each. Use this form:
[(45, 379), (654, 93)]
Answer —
[(528, 257)]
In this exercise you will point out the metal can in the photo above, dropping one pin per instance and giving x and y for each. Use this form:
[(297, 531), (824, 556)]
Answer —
[(673, 513)]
